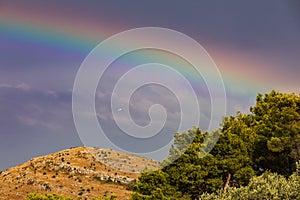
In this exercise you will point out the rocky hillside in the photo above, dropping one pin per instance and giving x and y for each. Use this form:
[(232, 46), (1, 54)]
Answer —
[(85, 172)]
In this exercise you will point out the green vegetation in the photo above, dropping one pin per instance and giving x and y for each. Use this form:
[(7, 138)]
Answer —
[(267, 186), (255, 152), (38, 196)]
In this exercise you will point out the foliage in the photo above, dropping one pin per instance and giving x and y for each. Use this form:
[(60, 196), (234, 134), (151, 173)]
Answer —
[(267, 186), (191, 175), (154, 185), (186, 177), (38, 196), (235, 148), (249, 144), (276, 121), (112, 197)]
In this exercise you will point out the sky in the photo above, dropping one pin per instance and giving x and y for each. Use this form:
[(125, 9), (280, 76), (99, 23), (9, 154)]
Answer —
[(255, 45)]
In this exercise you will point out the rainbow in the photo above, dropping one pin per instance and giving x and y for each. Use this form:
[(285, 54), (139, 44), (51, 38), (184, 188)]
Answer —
[(57, 33)]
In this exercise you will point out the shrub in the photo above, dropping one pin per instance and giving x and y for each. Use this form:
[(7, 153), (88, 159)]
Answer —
[(267, 186), (37, 196)]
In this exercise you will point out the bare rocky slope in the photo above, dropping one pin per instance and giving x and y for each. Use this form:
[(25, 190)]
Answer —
[(85, 172)]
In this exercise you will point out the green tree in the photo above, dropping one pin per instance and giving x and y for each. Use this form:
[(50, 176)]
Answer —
[(234, 150), (265, 139), (155, 185), (276, 121), (191, 175)]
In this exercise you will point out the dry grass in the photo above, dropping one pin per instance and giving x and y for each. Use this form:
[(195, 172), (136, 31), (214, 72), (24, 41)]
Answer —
[(123, 161), (74, 172)]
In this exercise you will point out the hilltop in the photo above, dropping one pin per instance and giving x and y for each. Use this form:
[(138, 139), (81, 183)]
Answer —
[(87, 172)]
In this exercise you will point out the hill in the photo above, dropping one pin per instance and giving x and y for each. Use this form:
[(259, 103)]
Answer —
[(87, 172)]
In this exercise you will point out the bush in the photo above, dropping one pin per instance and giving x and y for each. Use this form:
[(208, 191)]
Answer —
[(267, 186), (112, 197), (37, 196)]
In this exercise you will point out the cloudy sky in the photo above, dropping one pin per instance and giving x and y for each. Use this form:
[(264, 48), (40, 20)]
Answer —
[(255, 45)]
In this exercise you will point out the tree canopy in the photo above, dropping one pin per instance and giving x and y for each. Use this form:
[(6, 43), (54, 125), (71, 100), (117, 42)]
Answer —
[(265, 139)]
